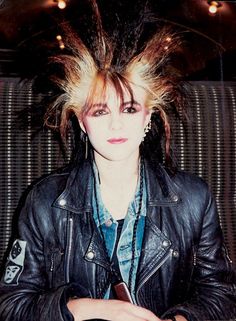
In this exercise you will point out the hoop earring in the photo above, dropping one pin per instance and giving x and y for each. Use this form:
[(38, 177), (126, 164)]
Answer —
[(146, 129)]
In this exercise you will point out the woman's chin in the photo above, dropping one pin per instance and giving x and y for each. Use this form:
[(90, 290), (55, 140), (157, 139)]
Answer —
[(117, 156)]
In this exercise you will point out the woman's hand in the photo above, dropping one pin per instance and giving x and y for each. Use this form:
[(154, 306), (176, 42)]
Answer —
[(114, 310), (178, 318)]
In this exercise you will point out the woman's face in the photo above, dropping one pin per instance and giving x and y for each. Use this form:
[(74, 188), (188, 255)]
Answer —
[(115, 128)]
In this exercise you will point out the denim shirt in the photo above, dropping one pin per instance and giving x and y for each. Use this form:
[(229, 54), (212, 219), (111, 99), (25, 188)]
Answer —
[(109, 227)]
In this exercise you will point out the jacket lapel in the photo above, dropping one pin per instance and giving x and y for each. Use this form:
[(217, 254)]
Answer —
[(96, 251), (157, 246), (76, 197)]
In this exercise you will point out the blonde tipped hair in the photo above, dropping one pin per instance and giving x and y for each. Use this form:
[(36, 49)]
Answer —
[(83, 67)]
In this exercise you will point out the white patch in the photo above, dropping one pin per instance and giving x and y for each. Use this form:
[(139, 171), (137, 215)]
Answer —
[(15, 264), (11, 273)]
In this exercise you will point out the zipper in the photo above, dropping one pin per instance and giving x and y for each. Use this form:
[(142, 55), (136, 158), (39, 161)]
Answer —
[(52, 262), (51, 269), (194, 257), (69, 242), (156, 268), (227, 254)]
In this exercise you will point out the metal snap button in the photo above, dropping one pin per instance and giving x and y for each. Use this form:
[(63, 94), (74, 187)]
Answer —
[(108, 223), (90, 255), (175, 198), (165, 243), (62, 202), (175, 253)]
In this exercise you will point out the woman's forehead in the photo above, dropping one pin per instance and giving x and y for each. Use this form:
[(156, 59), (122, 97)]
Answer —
[(109, 92)]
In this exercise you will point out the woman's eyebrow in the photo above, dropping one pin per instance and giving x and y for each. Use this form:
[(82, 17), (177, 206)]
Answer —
[(98, 105), (131, 102)]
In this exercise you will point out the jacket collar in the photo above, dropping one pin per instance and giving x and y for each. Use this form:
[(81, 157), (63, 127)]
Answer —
[(161, 189), (76, 196)]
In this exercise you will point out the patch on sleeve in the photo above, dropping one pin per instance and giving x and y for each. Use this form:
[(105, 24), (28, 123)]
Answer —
[(15, 264)]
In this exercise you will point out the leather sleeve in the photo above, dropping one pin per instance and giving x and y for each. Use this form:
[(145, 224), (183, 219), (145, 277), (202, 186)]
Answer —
[(213, 291), (24, 290)]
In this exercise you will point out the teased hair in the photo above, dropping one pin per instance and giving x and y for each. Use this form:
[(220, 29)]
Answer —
[(83, 67)]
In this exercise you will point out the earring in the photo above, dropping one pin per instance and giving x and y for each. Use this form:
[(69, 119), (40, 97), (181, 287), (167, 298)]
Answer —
[(146, 129), (86, 146)]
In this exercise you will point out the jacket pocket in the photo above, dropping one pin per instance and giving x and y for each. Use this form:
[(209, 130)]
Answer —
[(53, 265)]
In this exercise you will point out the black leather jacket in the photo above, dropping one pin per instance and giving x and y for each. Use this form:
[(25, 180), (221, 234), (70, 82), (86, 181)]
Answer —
[(184, 268)]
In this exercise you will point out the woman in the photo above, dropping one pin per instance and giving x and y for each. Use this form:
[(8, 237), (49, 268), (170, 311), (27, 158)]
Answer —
[(117, 226)]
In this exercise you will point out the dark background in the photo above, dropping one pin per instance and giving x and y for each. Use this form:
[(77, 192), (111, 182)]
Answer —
[(209, 49)]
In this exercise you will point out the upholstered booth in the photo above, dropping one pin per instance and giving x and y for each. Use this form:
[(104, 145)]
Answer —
[(208, 148)]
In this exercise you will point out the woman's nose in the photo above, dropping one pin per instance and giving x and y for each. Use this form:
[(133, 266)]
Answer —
[(116, 122)]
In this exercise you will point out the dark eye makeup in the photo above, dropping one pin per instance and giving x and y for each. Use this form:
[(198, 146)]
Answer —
[(131, 107), (128, 107)]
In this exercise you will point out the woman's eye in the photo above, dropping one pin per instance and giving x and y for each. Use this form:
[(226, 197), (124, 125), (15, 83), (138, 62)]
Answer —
[(129, 110), (99, 112)]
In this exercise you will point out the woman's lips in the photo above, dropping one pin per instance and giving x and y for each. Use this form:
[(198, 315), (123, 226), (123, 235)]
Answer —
[(117, 140)]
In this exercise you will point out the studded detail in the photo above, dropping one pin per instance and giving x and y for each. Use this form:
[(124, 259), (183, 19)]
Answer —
[(166, 243), (90, 255), (62, 202), (174, 198), (175, 254)]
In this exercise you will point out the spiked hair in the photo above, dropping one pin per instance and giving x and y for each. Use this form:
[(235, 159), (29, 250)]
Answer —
[(84, 68)]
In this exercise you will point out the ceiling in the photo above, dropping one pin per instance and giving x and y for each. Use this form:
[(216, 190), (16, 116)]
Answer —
[(209, 40)]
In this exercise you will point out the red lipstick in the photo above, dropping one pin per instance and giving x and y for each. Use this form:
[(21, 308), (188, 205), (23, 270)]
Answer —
[(117, 140)]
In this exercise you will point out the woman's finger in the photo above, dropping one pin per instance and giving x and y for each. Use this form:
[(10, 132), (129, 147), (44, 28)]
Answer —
[(138, 312)]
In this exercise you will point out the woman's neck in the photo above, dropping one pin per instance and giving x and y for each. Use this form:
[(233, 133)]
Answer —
[(117, 173)]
